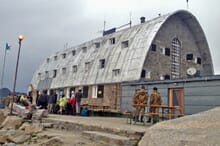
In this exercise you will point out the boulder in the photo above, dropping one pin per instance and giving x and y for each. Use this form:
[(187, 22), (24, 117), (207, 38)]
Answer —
[(2, 117), (3, 139), (9, 144), (31, 129), (201, 129), (20, 137), (11, 122), (52, 141), (47, 125), (39, 114), (24, 125)]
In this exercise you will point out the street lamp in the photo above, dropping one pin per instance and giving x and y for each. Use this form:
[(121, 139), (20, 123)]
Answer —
[(20, 38)]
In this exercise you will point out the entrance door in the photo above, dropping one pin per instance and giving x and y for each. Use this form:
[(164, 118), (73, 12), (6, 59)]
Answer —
[(176, 98)]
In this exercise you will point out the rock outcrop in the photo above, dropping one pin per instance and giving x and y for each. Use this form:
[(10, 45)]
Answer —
[(202, 129)]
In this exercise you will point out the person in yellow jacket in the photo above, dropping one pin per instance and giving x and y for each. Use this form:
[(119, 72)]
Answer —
[(22, 98), (62, 103)]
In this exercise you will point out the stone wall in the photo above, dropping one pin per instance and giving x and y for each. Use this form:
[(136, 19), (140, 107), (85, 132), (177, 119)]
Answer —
[(112, 96), (157, 63)]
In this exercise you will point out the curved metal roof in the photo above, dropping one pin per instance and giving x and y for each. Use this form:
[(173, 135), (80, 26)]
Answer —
[(128, 60)]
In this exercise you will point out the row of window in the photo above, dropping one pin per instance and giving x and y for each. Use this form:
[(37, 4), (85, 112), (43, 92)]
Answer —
[(167, 52), (115, 72), (124, 44)]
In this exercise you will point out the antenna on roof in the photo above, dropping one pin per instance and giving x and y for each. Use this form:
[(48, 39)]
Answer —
[(130, 18), (104, 26), (65, 45), (187, 4)]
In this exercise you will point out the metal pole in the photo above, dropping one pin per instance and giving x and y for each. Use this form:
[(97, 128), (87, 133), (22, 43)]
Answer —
[(15, 79), (3, 69)]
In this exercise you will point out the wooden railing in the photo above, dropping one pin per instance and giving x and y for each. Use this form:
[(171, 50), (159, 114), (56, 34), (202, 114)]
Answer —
[(164, 112)]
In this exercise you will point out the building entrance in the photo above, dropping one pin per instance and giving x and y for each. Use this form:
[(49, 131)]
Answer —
[(176, 99)]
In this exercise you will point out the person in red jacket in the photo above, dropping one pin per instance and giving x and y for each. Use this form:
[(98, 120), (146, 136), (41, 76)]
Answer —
[(72, 103)]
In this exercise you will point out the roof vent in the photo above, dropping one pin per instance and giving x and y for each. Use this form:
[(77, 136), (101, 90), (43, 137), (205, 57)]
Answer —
[(142, 19)]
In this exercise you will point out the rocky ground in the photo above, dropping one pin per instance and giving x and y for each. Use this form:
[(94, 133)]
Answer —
[(61, 130), (201, 129)]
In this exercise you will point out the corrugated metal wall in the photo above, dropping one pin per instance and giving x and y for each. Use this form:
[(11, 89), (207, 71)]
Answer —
[(200, 94)]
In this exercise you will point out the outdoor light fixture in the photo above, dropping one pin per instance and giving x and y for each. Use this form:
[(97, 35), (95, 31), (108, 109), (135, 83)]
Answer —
[(20, 38)]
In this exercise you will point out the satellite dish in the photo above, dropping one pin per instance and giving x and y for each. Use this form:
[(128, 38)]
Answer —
[(191, 71)]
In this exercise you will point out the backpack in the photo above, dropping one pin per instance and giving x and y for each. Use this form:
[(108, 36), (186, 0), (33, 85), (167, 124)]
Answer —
[(84, 112)]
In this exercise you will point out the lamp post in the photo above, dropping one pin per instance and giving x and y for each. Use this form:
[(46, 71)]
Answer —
[(20, 38)]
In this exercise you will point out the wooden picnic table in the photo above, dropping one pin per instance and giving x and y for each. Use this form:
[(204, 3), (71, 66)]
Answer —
[(166, 110)]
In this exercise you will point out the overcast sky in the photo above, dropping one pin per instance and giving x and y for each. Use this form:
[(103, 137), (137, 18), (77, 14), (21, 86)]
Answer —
[(48, 25)]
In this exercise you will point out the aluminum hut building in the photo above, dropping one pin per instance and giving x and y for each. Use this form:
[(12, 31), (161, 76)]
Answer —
[(170, 46)]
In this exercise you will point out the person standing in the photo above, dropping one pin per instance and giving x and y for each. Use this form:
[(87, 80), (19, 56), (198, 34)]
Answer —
[(62, 104), (52, 99), (140, 100), (78, 100), (155, 100), (43, 100)]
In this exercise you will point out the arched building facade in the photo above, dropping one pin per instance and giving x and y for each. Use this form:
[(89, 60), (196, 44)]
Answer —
[(167, 47)]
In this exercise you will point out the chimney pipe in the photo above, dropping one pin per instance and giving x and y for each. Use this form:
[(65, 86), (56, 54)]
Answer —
[(142, 19)]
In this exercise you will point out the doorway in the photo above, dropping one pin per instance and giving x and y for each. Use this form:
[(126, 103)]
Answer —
[(176, 99)]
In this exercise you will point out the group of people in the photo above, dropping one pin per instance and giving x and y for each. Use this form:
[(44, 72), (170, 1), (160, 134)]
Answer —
[(70, 106), (61, 105), (140, 101), (55, 105)]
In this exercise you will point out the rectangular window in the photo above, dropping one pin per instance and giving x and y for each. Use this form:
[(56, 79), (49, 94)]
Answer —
[(124, 44), (198, 60), (116, 72), (100, 92), (153, 47), (46, 74), (63, 70), (102, 63), (167, 51), (74, 68), (143, 74), (166, 77), (97, 45), (189, 57), (112, 41), (64, 55), (84, 49), (94, 91), (55, 57), (74, 52), (54, 73), (85, 91), (48, 60), (39, 75), (87, 66)]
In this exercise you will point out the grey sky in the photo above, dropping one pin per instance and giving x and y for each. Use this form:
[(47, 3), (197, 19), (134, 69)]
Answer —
[(49, 24)]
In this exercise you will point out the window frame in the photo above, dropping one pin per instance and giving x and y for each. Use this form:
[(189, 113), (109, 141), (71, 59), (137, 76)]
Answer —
[(125, 44), (74, 68), (102, 63), (112, 40), (153, 47), (64, 55), (116, 72), (84, 49), (73, 52), (189, 57)]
